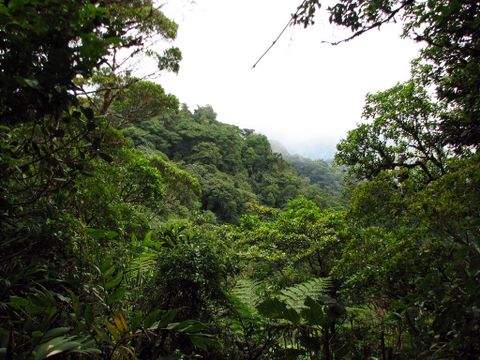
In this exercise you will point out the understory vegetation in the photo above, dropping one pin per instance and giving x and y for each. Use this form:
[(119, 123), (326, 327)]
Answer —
[(132, 227)]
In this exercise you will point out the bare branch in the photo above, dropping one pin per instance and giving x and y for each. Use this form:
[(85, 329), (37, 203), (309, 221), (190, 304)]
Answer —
[(292, 18)]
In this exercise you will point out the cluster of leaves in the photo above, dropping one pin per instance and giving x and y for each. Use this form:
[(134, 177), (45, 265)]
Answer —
[(75, 280), (234, 166), (286, 324)]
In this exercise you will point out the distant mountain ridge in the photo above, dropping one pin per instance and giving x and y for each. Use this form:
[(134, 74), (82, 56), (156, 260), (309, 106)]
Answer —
[(319, 172)]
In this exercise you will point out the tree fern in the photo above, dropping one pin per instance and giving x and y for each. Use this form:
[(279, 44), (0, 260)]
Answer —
[(294, 297), (138, 274), (244, 299), (248, 291)]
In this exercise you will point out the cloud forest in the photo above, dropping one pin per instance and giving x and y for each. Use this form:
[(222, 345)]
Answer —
[(135, 227)]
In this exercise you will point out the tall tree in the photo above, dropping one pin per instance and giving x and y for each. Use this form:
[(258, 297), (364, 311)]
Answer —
[(401, 132), (47, 49)]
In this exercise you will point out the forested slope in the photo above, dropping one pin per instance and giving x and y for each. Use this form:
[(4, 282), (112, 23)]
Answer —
[(131, 227), (235, 167), (324, 174)]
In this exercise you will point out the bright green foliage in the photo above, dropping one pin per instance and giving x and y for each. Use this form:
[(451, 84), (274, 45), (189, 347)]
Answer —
[(248, 293), (402, 133), (206, 153), (412, 259), (72, 191), (181, 187), (56, 343), (140, 100), (189, 274), (39, 307), (295, 296), (234, 166), (120, 194), (291, 244), (221, 193), (38, 61), (288, 322), (74, 278), (136, 26), (412, 251), (410, 266), (410, 262)]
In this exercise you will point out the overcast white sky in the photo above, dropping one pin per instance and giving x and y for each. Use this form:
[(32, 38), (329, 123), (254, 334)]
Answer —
[(304, 94)]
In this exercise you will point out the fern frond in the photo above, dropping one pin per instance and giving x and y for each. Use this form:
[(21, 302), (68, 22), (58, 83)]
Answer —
[(142, 267), (248, 291), (296, 295), (246, 296)]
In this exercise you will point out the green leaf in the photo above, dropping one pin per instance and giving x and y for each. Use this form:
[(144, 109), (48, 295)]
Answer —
[(115, 281), (151, 318), (64, 344), (56, 332), (167, 318), (33, 83), (99, 234), (276, 309), (107, 272), (313, 313), (116, 296), (18, 303), (149, 243), (187, 326), (296, 295), (102, 335)]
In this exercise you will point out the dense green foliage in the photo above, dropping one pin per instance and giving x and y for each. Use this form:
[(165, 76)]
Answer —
[(322, 175), (134, 228), (235, 167)]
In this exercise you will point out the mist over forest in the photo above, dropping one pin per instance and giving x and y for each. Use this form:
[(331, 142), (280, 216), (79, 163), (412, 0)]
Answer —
[(133, 226)]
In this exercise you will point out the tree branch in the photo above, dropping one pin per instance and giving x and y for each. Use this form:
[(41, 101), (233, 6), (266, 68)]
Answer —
[(373, 26), (292, 18)]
